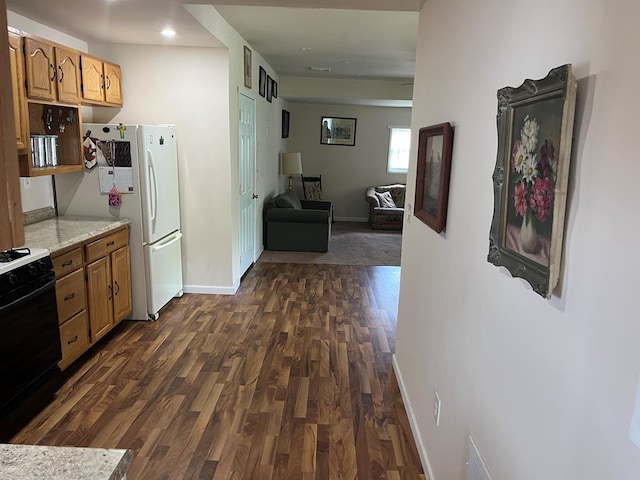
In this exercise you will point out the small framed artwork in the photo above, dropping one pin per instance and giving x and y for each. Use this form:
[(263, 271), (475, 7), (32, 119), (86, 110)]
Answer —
[(338, 131), (269, 89), (247, 67), (285, 124), (262, 85), (535, 128), (435, 145), (275, 89)]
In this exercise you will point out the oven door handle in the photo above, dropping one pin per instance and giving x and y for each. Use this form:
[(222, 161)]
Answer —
[(51, 283)]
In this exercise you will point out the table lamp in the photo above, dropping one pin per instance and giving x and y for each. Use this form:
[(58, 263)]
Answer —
[(291, 165)]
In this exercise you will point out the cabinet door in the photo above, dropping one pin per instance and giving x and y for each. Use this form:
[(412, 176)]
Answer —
[(16, 62), (121, 269), (68, 74), (100, 296), (92, 79), (113, 81), (41, 72)]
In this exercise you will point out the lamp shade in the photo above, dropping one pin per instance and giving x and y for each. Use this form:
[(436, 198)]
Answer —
[(292, 163)]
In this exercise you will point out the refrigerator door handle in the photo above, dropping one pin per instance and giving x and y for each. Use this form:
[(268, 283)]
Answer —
[(171, 240), (153, 202)]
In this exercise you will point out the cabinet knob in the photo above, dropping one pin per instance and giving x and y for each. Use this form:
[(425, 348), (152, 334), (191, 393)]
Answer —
[(53, 72), (61, 73)]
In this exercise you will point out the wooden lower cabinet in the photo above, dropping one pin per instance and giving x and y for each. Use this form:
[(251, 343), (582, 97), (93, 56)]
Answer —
[(100, 292), (93, 290), (121, 275), (74, 338)]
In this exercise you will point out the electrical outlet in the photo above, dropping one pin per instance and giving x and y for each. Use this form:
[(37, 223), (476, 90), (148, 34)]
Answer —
[(436, 409), (409, 209), (26, 183)]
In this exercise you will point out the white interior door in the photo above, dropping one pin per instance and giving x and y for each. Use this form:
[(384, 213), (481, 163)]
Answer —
[(247, 174)]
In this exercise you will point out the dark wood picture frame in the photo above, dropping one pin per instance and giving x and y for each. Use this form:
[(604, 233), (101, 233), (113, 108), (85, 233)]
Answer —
[(262, 86), (285, 123), (269, 89), (338, 131), (275, 89), (530, 179), (435, 145), (247, 67)]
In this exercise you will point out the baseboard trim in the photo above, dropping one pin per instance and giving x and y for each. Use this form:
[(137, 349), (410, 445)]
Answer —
[(351, 219), (422, 451), (257, 254), (211, 289)]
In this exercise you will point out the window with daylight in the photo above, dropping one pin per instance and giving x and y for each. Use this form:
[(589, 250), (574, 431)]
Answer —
[(399, 145)]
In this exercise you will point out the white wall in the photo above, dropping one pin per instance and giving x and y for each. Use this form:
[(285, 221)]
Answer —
[(37, 192), (182, 86), (268, 141), (546, 387), (346, 171)]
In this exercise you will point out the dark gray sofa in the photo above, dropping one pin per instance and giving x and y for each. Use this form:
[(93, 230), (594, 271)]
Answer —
[(297, 225)]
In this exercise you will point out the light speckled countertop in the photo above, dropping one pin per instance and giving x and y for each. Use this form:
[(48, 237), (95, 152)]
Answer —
[(58, 233), (35, 462)]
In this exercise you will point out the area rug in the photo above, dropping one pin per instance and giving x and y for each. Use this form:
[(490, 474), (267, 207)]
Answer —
[(351, 244)]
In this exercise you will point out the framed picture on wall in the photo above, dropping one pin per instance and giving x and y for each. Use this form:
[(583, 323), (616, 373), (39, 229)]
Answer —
[(269, 89), (247, 67), (338, 131), (285, 124), (530, 179), (262, 85), (275, 89), (435, 145)]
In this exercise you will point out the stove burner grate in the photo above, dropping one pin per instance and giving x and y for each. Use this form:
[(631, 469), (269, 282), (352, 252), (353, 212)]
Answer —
[(13, 254)]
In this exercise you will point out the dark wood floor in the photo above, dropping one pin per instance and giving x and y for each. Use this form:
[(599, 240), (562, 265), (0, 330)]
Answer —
[(289, 379)]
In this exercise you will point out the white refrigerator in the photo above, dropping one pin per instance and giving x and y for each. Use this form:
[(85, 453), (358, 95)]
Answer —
[(141, 163)]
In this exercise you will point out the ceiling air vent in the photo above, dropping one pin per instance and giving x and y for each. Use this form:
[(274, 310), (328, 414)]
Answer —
[(320, 69)]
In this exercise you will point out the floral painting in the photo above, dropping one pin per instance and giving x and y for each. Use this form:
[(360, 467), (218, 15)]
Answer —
[(532, 179), (531, 176)]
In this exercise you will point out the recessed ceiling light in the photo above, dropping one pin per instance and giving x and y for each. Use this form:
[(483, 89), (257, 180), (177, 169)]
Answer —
[(168, 32), (305, 49)]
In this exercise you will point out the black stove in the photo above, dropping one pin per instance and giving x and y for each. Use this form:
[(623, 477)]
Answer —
[(14, 254), (29, 337)]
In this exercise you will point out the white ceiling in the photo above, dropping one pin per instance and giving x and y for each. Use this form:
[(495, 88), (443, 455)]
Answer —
[(355, 38)]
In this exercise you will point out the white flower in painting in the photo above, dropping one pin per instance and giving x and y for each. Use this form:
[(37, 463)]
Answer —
[(529, 134), (519, 155), (529, 170)]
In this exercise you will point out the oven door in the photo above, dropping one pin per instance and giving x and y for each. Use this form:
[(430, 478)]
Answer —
[(29, 336)]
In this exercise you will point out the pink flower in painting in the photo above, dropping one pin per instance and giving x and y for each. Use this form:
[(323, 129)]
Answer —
[(541, 197), (534, 173), (520, 199)]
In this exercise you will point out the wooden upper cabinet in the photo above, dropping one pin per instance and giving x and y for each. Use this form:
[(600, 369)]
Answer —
[(101, 82), (53, 72), (92, 79), (41, 71), (16, 62), (68, 75), (113, 83)]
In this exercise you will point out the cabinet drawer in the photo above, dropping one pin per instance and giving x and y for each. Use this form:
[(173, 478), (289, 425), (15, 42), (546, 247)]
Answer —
[(106, 245), (70, 295), (74, 338), (67, 262)]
